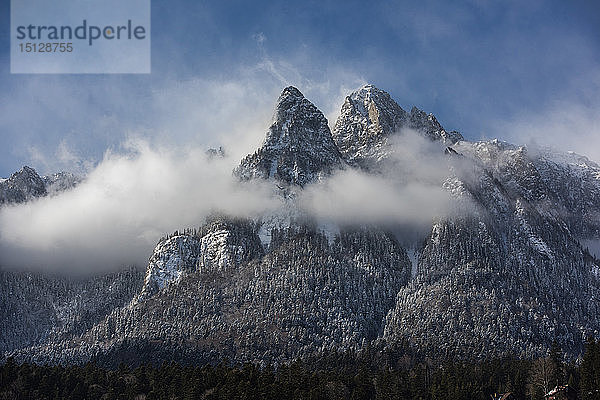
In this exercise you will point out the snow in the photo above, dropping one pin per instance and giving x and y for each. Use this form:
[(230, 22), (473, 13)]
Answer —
[(534, 240), (593, 246), (278, 219), (215, 252), (596, 270), (455, 186), (167, 267), (171, 259), (427, 308), (298, 145), (541, 246), (413, 256), (486, 151)]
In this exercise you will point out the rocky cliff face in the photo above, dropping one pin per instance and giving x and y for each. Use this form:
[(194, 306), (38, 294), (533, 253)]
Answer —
[(298, 148), (506, 275), (21, 186), (369, 120), (220, 245)]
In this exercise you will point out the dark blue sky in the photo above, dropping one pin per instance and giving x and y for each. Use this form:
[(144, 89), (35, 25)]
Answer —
[(487, 69)]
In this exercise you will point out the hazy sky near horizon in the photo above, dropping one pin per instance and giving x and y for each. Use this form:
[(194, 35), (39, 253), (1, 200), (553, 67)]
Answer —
[(520, 71)]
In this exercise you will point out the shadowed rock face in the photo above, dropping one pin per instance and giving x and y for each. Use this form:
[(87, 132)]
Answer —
[(298, 148)]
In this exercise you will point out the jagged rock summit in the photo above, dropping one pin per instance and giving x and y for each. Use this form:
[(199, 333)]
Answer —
[(368, 119), (22, 186), (26, 184), (298, 148)]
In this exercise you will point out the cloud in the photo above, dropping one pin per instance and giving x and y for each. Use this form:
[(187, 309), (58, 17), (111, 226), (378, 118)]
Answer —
[(154, 178), (352, 196), (325, 87), (125, 204), (259, 38), (64, 158), (140, 142), (134, 196), (570, 123), (593, 246), (408, 192)]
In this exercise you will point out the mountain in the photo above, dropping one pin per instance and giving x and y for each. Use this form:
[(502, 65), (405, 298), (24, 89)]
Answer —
[(507, 271), (60, 181), (303, 295), (38, 308), (21, 186), (26, 184), (370, 118), (222, 244), (514, 276), (298, 149)]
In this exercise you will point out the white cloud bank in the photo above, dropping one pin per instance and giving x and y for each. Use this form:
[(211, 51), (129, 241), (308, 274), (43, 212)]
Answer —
[(125, 204), (408, 192), (147, 187), (130, 199)]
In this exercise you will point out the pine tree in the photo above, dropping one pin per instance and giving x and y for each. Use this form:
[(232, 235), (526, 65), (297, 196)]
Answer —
[(590, 371), (557, 369)]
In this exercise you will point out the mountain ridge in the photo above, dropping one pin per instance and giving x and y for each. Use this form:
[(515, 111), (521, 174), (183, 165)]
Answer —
[(25, 185), (509, 277)]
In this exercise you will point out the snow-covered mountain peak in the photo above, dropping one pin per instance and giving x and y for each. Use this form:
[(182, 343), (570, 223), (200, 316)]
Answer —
[(296, 122), (22, 186), (28, 177), (290, 94), (298, 147), (26, 184), (507, 276), (428, 126), (368, 117), (60, 182), (368, 98)]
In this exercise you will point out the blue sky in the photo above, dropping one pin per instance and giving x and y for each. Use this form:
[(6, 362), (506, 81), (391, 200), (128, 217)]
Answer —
[(520, 71)]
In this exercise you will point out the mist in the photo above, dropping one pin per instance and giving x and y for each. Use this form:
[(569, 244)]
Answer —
[(568, 123), (408, 191), (117, 214), (133, 197), (143, 159)]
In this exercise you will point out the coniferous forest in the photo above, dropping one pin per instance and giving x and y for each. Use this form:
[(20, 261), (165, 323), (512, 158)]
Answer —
[(370, 374)]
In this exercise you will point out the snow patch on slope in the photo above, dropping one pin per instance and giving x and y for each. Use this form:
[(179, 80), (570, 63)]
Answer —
[(534, 240), (592, 245), (172, 257), (413, 256)]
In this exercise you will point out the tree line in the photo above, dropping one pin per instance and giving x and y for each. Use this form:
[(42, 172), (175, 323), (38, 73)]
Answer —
[(363, 375)]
